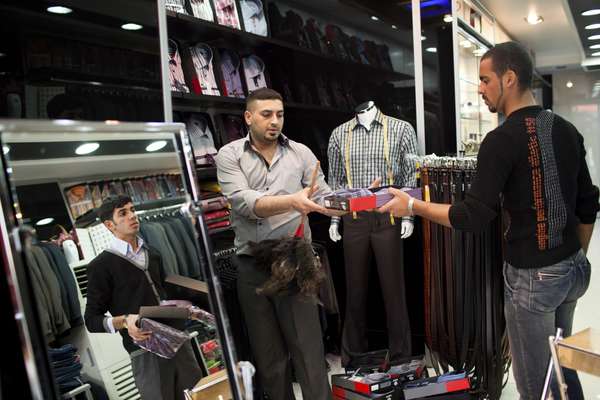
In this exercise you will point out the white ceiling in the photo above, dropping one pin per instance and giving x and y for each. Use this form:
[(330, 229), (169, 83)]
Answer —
[(555, 42)]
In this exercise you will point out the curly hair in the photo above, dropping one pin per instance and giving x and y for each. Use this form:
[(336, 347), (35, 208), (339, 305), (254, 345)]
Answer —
[(293, 265)]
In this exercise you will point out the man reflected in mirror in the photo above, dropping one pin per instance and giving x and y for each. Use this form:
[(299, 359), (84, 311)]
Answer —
[(121, 279)]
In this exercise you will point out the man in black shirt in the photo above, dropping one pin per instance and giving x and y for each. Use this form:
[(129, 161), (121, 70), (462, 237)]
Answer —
[(536, 161), (121, 279)]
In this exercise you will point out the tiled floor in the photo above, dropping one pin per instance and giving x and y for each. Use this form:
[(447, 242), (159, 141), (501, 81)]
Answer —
[(586, 315)]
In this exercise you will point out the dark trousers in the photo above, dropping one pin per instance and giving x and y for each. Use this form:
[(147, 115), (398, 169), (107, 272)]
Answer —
[(283, 330), (373, 233), (160, 378)]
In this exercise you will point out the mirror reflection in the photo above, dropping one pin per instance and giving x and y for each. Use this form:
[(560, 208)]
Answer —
[(115, 266)]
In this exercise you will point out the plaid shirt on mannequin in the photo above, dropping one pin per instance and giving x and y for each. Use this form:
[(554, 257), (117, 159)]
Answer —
[(367, 154)]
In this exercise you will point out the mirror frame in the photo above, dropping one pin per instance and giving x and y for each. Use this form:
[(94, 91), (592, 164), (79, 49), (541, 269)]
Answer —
[(37, 363)]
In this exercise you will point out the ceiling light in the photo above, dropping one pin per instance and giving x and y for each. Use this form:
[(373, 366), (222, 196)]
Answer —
[(589, 13), (131, 27), (155, 146), (431, 49), (594, 37), (534, 19), (2, 55), (448, 18), (596, 54), (394, 27), (592, 26), (5, 149), (595, 46), (44, 221), (374, 18), (423, 38), (466, 44), (87, 148), (569, 84), (59, 10)]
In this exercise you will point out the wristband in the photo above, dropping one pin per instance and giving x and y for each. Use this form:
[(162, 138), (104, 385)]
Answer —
[(411, 202)]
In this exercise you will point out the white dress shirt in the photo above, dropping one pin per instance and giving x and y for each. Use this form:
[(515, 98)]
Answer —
[(254, 17)]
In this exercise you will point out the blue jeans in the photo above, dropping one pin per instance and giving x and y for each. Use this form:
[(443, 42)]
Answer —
[(536, 302)]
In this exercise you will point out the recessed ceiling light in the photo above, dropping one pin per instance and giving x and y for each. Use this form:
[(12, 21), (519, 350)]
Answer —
[(592, 26), (589, 13), (5, 149), (596, 54), (595, 46), (534, 19), (59, 10), (374, 18), (131, 27), (45, 221), (394, 27), (155, 146), (448, 18), (569, 84), (431, 49), (423, 37), (87, 148), (466, 44), (2, 55)]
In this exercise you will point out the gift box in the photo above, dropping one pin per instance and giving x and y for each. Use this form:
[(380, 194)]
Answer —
[(354, 200)]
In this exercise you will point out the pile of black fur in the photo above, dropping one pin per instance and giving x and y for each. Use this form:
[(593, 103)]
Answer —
[(293, 265)]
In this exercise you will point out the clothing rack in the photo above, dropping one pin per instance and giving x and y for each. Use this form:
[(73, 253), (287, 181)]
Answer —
[(464, 319), (160, 211), (434, 161)]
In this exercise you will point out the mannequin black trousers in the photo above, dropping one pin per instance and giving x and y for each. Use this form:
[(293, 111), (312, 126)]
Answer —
[(372, 234)]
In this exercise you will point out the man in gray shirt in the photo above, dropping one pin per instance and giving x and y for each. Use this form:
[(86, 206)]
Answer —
[(265, 177)]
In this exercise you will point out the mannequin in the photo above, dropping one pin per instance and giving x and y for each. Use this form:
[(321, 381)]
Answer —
[(370, 149)]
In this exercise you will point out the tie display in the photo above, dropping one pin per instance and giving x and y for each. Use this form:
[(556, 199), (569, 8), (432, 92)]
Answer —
[(464, 318)]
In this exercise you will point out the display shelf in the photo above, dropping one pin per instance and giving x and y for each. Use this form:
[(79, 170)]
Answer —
[(58, 76), (191, 29), (220, 230), (205, 173), (189, 102)]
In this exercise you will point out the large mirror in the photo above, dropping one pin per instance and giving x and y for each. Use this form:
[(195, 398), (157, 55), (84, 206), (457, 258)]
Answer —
[(115, 269)]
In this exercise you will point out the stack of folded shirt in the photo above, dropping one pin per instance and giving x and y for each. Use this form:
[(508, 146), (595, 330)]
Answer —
[(216, 212), (66, 365)]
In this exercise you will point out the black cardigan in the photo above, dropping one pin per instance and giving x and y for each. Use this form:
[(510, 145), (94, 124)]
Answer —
[(116, 285)]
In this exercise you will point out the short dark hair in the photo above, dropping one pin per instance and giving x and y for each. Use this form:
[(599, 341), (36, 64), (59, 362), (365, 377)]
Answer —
[(512, 56), (110, 204), (263, 94)]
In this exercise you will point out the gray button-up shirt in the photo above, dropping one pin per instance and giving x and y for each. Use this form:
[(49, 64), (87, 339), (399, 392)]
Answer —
[(245, 177)]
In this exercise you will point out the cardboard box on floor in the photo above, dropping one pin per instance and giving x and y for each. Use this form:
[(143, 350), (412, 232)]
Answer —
[(213, 387)]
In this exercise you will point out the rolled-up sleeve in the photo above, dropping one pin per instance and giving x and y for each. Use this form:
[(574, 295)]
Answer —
[(234, 184)]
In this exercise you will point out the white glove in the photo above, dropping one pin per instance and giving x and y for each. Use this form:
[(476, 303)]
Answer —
[(334, 232), (406, 231)]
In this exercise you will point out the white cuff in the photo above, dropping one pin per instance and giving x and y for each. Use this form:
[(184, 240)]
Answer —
[(108, 325)]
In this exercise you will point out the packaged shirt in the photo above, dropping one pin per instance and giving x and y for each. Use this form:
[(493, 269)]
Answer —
[(227, 13), (201, 138), (175, 70), (254, 17), (202, 9), (254, 72), (176, 5), (230, 68), (204, 81)]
